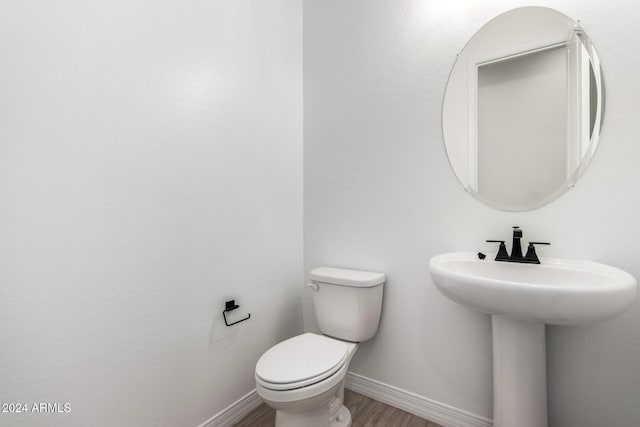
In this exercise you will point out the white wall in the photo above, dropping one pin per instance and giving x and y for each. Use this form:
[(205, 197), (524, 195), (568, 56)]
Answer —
[(380, 195), (150, 168)]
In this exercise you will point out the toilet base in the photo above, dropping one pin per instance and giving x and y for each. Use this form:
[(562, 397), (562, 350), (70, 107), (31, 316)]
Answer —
[(342, 419), (316, 418)]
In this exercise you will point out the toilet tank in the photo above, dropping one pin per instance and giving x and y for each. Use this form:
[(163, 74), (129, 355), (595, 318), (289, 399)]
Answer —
[(347, 302)]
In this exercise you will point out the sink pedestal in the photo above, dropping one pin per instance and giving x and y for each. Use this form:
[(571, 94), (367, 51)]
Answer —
[(519, 373)]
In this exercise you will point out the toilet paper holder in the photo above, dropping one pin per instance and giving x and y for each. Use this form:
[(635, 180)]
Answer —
[(230, 306)]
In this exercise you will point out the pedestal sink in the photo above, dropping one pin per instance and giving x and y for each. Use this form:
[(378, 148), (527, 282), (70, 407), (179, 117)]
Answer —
[(521, 299)]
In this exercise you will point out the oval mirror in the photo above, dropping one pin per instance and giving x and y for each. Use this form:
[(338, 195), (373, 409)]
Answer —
[(523, 109)]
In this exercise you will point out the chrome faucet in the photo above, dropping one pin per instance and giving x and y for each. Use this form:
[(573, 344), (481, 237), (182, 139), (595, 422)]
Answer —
[(516, 249)]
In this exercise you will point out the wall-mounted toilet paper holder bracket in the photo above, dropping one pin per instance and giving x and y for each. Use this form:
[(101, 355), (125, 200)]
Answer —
[(230, 306)]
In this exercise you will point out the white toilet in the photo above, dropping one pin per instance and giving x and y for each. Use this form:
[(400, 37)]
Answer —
[(303, 377)]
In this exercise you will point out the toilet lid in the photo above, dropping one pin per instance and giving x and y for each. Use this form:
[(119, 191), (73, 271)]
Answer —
[(301, 360)]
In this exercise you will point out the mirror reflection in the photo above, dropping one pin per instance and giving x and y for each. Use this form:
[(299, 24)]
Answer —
[(523, 109)]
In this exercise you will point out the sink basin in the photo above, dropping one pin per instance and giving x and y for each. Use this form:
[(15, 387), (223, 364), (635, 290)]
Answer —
[(555, 292)]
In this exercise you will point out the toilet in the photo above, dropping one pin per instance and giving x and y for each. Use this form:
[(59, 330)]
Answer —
[(303, 377)]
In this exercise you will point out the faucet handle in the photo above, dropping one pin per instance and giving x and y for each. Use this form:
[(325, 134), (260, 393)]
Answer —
[(502, 254), (532, 257)]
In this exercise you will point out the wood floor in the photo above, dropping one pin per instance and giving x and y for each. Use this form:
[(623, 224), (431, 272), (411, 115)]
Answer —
[(365, 412)]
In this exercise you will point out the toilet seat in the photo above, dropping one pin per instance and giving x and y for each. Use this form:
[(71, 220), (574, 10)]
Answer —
[(301, 361), (309, 393)]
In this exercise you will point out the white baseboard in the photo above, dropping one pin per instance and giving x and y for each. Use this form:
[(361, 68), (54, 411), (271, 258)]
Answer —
[(446, 415), (234, 412)]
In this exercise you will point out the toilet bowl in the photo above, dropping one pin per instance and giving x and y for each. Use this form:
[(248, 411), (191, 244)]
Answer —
[(303, 377)]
